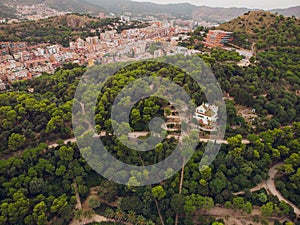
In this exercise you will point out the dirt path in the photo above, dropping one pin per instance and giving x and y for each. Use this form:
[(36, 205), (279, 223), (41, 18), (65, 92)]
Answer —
[(94, 193), (270, 186), (95, 218), (142, 134), (131, 135), (78, 201), (235, 217), (230, 216), (72, 140), (84, 206)]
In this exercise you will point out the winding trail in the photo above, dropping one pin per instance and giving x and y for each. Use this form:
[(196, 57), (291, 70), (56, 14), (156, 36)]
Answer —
[(270, 187), (143, 134)]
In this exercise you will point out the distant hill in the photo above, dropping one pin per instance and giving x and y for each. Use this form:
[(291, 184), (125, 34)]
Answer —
[(120, 6), (292, 11), (77, 6), (93, 7), (6, 11), (217, 14)]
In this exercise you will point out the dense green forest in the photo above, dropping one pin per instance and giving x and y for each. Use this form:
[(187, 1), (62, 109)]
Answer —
[(44, 116), (270, 83), (269, 86), (37, 186)]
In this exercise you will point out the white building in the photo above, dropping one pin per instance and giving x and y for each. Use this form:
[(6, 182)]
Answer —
[(206, 114)]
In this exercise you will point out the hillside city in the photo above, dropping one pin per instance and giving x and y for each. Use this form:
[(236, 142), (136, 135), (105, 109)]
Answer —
[(22, 60)]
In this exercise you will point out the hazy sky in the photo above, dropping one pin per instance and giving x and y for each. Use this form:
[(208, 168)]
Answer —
[(261, 4)]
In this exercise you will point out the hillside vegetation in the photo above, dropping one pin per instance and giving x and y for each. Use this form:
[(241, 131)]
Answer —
[(60, 29), (264, 28), (36, 186), (270, 83)]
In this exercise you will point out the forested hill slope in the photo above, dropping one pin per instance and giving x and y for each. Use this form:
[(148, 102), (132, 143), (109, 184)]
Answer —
[(266, 29), (272, 80)]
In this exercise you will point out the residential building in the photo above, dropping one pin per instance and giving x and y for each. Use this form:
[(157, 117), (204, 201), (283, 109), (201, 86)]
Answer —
[(206, 114)]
